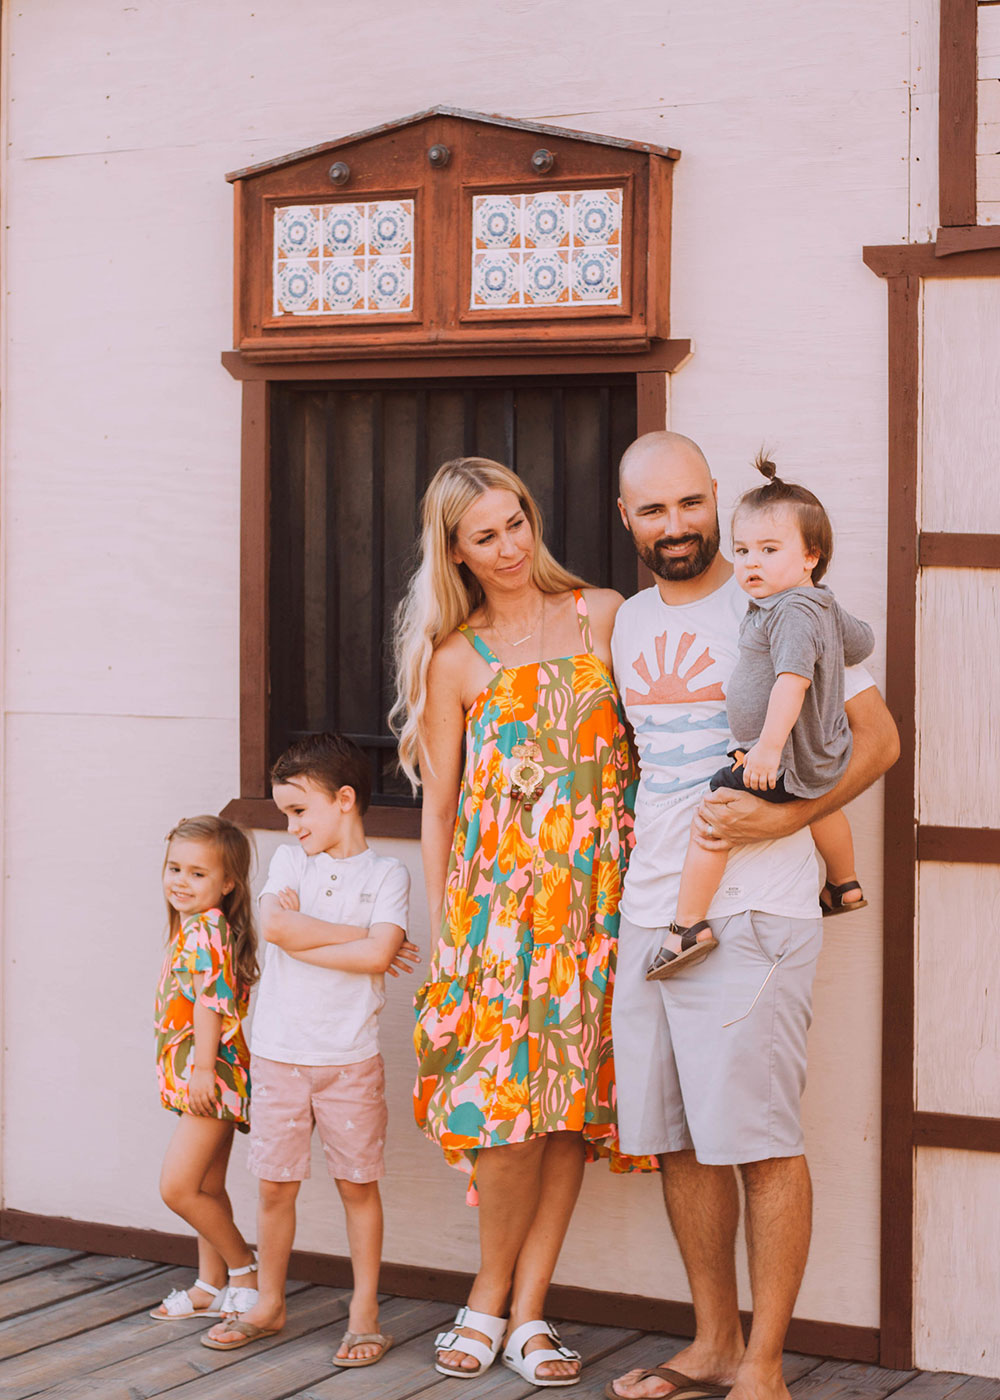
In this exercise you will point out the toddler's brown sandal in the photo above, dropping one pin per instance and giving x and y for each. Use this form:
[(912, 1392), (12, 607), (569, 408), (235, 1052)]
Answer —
[(835, 903), (667, 963)]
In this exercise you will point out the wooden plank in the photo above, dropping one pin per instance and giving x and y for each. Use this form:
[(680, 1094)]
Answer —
[(956, 1130), (949, 1385), (665, 356), (919, 260), (957, 113), (17, 1260), (160, 1355), (264, 1373), (82, 1274), (967, 844), (254, 583), (81, 1313), (959, 551), (833, 1380)]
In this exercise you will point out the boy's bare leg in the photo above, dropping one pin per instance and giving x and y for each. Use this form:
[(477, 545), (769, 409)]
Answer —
[(703, 1205), (778, 1225), (275, 1237), (509, 1183), (700, 878), (835, 844), (363, 1212), (193, 1185)]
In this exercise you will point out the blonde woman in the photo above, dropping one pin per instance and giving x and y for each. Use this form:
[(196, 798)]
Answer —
[(508, 717)]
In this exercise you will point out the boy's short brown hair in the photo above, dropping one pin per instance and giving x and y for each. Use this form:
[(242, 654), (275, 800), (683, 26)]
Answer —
[(331, 761)]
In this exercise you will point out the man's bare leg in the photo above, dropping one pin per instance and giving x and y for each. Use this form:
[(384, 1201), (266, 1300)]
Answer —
[(703, 1205), (778, 1224)]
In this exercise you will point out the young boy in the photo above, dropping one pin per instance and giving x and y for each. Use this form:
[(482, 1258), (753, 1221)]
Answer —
[(333, 915)]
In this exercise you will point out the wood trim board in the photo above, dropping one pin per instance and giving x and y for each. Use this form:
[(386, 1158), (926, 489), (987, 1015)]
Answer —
[(953, 1130), (921, 260), (957, 113), (954, 551), (964, 845), (588, 1305)]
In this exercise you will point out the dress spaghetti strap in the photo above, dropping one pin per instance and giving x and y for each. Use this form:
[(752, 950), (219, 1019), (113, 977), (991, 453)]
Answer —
[(476, 641), (584, 619)]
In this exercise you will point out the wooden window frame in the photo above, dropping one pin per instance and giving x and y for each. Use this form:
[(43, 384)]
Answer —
[(253, 807), (905, 1128)]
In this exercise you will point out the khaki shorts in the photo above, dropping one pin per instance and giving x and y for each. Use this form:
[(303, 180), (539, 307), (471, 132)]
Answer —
[(686, 1079), (347, 1105)]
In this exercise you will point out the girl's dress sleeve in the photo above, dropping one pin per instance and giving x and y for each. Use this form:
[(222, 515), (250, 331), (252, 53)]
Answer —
[(206, 950)]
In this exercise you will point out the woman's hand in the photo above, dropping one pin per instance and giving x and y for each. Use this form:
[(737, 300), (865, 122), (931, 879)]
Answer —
[(201, 1093), (405, 960)]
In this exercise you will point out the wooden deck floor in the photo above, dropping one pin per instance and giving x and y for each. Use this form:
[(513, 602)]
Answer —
[(75, 1326)]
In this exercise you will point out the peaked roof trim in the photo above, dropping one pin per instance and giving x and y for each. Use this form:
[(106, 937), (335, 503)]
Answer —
[(566, 133)]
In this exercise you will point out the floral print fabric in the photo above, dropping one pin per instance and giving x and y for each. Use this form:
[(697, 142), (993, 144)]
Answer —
[(513, 1034), (201, 946)]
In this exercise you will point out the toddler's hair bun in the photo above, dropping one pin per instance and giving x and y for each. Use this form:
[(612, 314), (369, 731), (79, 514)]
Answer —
[(765, 466)]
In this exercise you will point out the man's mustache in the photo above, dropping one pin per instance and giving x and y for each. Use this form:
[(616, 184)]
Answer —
[(668, 541)]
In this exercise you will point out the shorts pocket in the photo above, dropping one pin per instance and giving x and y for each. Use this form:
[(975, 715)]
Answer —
[(772, 935)]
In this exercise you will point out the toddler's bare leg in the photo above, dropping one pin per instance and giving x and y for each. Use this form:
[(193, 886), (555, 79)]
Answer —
[(363, 1213), (833, 839), (700, 878)]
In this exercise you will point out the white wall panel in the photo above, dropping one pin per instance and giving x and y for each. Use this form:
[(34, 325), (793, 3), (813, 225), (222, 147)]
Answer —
[(958, 989), (957, 1234), (960, 456), (959, 717)]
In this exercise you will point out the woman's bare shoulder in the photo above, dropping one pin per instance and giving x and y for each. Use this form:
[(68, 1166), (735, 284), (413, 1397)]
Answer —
[(603, 603)]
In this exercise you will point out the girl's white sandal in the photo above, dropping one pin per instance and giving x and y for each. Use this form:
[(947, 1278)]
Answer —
[(238, 1300), (177, 1305), (527, 1366), (492, 1327)]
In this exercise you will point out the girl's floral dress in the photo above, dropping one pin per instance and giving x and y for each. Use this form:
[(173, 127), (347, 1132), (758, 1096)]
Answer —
[(513, 1034), (202, 945)]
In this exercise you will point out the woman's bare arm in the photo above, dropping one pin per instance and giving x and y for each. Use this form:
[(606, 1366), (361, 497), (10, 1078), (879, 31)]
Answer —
[(441, 735), (727, 818)]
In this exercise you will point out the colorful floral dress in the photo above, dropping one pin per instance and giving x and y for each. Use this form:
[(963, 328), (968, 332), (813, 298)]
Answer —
[(202, 945), (513, 1034)]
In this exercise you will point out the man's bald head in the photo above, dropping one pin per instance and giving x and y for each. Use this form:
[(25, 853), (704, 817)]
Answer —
[(661, 449)]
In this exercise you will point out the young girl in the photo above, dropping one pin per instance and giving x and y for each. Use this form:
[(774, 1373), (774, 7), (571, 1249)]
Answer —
[(785, 700), (202, 1056)]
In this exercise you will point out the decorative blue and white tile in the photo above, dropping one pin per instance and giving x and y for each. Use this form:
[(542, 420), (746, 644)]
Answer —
[(296, 232), (296, 288), (496, 279), (597, 217), (496, 221), (596, 275), (390, 227), (545, 277), (546, 220), (343, 230), (390, 284), (344, 285)]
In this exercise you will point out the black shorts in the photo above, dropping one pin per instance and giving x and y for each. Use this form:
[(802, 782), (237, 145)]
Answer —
[(732, 777)]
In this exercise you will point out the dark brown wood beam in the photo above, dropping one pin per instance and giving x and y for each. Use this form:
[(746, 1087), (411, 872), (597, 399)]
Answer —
[(964, 845), (948, 551), (954, 1130), (957, 113)]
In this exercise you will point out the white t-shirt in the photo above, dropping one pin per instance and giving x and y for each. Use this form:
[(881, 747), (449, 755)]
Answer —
[(672, 665), (306, 1015)]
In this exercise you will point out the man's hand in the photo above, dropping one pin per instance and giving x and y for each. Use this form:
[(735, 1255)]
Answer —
[(728, 818), (405, 959)]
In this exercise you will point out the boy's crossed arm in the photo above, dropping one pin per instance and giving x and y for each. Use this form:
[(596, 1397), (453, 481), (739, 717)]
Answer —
[(344, 947)]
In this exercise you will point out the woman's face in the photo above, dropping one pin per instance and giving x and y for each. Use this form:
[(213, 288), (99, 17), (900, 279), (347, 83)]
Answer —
[(494, 540)]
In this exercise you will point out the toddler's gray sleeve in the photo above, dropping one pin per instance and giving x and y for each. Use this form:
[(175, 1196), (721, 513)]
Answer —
[(859, 639), (795, 637)]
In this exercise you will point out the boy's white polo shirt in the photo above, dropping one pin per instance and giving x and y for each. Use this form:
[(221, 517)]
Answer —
[(306, 1015)]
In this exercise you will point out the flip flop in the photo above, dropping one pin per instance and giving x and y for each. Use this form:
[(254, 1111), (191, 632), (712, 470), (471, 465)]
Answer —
[(249, 1331), (837, 904), (355, 1339), (685, 1387)]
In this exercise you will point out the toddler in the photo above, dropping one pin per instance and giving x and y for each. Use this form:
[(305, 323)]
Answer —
[(202, 1057), (333, 915), (785, 700)]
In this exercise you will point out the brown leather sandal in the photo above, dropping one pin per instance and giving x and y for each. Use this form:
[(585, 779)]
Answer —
[(835, 903), (693, 950)]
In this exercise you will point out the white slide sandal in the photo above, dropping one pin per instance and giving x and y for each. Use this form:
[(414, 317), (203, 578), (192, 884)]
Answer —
[(527, 1366), (492, 1327)]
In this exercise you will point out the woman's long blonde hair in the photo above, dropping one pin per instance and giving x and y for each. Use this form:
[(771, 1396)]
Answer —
[(442, 594)]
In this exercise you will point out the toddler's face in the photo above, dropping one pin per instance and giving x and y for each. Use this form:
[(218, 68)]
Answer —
[(194, 877), (318, 821), (769, 554)]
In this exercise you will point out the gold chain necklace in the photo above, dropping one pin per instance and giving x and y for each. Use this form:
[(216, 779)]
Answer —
[(524, 767), (527, 636)]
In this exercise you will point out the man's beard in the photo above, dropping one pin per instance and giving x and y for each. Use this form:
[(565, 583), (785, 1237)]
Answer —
[(676, 568)]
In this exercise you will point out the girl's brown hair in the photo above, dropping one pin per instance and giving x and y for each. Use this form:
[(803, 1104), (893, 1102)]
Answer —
[(237, 905), (810, 514)]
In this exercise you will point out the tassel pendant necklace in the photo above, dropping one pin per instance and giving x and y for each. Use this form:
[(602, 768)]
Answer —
[(524, 766)]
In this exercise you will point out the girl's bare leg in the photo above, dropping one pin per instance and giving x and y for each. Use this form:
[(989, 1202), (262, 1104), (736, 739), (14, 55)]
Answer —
[(835, 844), (193, 1185)]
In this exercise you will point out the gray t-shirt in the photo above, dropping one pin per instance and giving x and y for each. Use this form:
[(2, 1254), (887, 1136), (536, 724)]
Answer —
[(804, 631)]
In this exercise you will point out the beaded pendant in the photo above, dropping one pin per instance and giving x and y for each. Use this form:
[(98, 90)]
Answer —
[(527, 776)]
